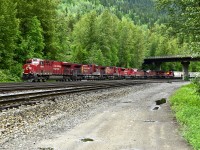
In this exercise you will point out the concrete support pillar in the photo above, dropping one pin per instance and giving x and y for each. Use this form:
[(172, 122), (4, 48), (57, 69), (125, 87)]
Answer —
[(158, 66), (185, 66)]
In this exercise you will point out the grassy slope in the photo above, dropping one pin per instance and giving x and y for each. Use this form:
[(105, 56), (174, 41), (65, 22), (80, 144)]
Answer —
[(186, 105)]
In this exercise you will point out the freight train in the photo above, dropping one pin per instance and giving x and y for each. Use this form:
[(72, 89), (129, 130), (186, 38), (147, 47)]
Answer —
[(39, 70)]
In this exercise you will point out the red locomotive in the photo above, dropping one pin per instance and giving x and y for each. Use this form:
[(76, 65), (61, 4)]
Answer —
[(37, 70)]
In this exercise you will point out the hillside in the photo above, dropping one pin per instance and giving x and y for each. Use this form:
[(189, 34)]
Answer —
[(140, 11), (104, 32)]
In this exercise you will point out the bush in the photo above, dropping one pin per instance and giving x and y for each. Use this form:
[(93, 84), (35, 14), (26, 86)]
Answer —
[(196, 82), (186, 105), (9, 76)]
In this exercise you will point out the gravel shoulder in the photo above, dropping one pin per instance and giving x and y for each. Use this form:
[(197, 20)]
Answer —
[(119, 119)]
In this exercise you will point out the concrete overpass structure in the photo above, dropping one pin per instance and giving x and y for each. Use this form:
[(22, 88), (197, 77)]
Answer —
[(185, 61)]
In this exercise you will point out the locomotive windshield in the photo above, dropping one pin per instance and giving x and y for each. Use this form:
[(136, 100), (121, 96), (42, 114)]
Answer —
[(33, 61), (29, 61)]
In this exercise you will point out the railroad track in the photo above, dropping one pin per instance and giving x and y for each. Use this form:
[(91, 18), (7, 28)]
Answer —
[(41, 93), (27, 98), (22, 86), (9, 88)]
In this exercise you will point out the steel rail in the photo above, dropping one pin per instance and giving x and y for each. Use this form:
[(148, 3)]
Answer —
[(10, 88), (36, 86), (15, 100)]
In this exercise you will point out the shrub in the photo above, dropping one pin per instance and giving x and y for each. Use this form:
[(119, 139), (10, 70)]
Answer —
[(196, 82), (8, 76), (186, 105)]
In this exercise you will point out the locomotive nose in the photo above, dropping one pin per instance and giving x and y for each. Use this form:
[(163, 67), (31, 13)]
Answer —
[(27, 69), (27, 72)]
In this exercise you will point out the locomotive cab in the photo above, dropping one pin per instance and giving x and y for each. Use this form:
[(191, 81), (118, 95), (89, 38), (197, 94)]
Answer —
[(29, 68)]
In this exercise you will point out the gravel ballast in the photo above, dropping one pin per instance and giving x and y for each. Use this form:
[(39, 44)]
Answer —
[(25, 127)]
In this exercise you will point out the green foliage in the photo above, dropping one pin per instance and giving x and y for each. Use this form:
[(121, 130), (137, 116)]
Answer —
[(184, 18), (139, 47), (126, 29), (8, 32), (102, 32), (196, 82), (8, 76), (39, 17), (46, 13), (162, 43), (32, 43), (107, 40), (35, 38), (141, 12), (185, 103), (132, 43), (80, 56), (97, 58), (63, 50), (85, 31)]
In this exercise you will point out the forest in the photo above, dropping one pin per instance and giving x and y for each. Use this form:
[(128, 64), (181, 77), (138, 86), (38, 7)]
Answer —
[(104, 32)]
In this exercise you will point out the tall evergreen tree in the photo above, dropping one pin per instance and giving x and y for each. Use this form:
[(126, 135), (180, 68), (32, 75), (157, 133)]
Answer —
[(185, 16), (8, 33), (33, 42), (107, 40), (63, 39), (125, 40), (45, 11), (85, 35), (35, 37), (139, 47)]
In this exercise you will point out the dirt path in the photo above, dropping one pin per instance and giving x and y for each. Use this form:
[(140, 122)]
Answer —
[(131, 124)]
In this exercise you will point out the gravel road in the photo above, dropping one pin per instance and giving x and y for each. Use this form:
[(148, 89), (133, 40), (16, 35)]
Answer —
[(118, 119)]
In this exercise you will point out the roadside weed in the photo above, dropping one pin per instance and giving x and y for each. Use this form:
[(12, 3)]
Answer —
[(185, 102)]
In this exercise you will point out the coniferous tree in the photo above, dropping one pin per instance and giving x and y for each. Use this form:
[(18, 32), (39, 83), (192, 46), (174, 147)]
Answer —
[(107, 40), (139, 47), (45, 11), (85, 35), (8, 33), (63, 39), (125, 40), (34, 38), (184, 18)]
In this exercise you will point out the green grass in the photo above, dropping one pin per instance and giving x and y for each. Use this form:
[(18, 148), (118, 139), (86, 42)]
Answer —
[(186, 105)]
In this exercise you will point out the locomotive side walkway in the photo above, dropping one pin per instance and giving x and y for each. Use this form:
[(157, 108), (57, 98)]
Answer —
[(135, 123)]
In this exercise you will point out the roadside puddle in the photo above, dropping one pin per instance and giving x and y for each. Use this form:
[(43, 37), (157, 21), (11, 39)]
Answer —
[(127, 102), (87, 140), (149, 121), (156, 108), (48, 148)]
